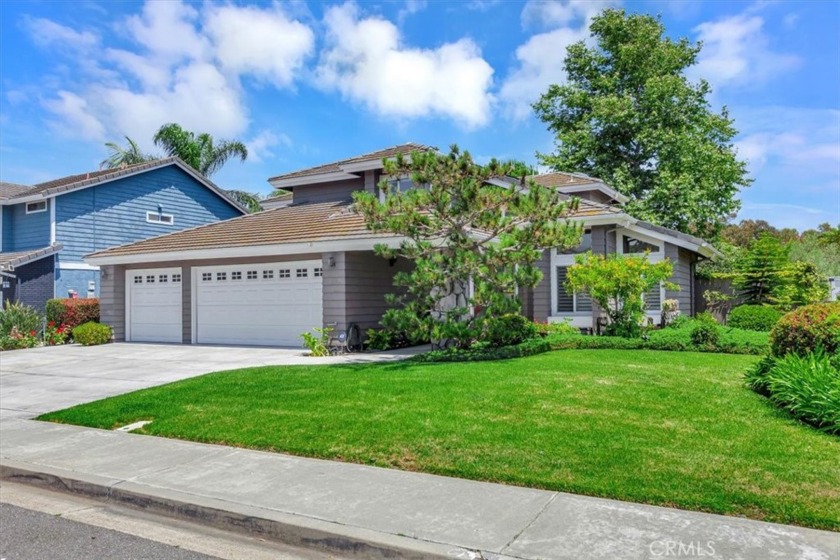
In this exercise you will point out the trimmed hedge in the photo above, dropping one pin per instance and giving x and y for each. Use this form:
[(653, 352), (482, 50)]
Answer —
[(808, 329), (73, 312), (485, 353), (91, 334), (754, 317)]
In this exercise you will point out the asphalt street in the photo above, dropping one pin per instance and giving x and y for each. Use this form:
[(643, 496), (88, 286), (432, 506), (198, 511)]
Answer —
[(33, 535)]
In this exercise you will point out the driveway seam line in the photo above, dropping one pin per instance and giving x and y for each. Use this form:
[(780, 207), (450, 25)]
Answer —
[(528, 525)]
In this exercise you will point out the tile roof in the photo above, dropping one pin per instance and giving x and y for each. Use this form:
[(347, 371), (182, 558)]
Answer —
[(297, 223), (562, 179), (11, 190), (8, 261), (335, 166), (285, 195)]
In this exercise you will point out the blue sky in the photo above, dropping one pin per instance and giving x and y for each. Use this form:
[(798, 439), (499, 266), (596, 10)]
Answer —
[(306, 83)]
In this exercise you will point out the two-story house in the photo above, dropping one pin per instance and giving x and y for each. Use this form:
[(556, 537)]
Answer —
[(265, 278), (46, 229)]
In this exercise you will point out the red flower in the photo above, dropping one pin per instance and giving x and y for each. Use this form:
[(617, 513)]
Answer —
[(51, 324), (31, 333)]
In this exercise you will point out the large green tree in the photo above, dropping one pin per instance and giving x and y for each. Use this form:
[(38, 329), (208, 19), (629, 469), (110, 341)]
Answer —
[(120, 156), (473, 244), (629, 115)]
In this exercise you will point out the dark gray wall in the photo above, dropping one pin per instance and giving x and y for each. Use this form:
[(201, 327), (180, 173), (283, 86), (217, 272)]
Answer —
[(112, 299), (540, 297), (33, 284), (355, 288), (683, 276), (328, 192)]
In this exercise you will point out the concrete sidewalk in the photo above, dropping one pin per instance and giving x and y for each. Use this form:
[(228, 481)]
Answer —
[(368, 512)]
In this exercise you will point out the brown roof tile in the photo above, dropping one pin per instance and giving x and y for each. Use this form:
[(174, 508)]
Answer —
[(8, 261), (335, 166), (11, 190), (561, 179)]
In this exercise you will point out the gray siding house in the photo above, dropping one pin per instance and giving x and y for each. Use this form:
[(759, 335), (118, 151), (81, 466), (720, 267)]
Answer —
[(264, 278)]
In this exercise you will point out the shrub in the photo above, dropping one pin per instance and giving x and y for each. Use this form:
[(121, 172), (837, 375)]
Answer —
[(808, 386), (480, 353), (508, 330), (705, 335), (16, 339), (753, 317), (91, 334), (317, 344), (807, 329), (756, 376), (379, 339), (55, 334), (21, 318), (73, 311), (558, 327)]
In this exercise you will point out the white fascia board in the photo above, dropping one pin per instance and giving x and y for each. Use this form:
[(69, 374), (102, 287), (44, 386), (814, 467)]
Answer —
[(76, 266), (21, 200), (358, 166), (282, 249), (609, 191), (311, 179)]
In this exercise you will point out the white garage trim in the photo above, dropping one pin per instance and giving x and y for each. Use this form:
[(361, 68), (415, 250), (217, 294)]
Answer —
[(260, 304), (168, 311)]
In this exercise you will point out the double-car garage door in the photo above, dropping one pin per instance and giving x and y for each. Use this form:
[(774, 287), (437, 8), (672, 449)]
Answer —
[(265, 304)]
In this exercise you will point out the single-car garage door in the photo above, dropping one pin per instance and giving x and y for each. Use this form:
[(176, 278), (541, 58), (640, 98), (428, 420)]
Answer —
[(153, 302), (267, 304)]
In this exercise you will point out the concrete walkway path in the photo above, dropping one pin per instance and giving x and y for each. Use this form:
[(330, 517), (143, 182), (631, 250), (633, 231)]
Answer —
[(355, 510)]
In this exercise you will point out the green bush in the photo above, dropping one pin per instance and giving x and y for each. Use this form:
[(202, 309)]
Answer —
[(317, 343), (807, 386), (20, 318), (557, 327), (91, 334), (481, 353), (753, 317), (508, 330), (756, 376), (379, 339), (73, 312), (808, 329), (705, 335)]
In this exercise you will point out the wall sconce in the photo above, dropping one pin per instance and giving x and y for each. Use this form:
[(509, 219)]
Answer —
[(331, 261)]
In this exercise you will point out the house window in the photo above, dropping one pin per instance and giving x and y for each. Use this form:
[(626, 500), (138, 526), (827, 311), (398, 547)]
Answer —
[(570, 302), (206, 276), (176, 278), (150, 279), (251, 275), (35, 207), (163, 278), (221, 276), (284, 273), (138, 279), (157, 218), (268, 274), (635, 246), (653, 299), (402, 185), (585, 243), (237, 275), (301, 273), (318, 272)]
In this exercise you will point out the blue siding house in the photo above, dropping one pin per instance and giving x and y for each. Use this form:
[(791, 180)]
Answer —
[(47, 229)]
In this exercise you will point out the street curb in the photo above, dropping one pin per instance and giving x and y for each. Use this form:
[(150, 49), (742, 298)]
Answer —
[(295, 530)]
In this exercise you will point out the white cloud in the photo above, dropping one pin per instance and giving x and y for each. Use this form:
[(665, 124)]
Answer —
[(46, 33), (412, 7), (263, 43), (180, 65), (366, 61), (76, 116), (736, 52), (260, 146), (540, 58)]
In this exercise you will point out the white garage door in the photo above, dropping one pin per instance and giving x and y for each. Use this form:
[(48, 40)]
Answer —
[(268, 304), (153, 302)]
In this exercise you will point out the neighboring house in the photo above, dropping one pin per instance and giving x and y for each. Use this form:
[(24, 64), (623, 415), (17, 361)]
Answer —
[(265, 278), (279, 200), (46, 229)]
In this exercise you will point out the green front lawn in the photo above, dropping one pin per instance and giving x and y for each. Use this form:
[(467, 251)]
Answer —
[(675, 429)]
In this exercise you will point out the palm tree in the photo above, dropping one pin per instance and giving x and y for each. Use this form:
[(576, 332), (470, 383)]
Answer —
[(251, 201), (123, 157), (198, 151)]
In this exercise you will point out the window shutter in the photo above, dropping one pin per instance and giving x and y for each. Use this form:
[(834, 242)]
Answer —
[(653, 299), (565, 302)]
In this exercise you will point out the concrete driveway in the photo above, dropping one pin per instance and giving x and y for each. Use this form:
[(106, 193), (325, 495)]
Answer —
[(40, 380)]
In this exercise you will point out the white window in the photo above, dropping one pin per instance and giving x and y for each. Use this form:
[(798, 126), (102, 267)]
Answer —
[(221, 276), (316, 272), (402, 185), (176, 278), (251, 275), (138, 279), (301, 273), (570, 302), (284, 273), (635, 246), (150, 279), (206, 276), (236, 275), (163, 278), (156, 218), (35, 207), (268, 274)]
